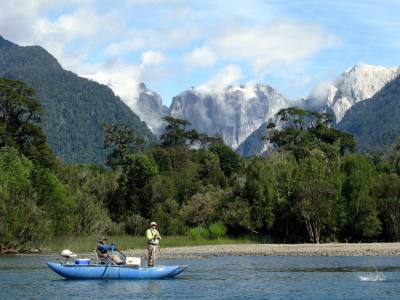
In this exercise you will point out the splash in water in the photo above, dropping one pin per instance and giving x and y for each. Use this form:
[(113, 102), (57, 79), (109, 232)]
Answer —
[(378, 276)]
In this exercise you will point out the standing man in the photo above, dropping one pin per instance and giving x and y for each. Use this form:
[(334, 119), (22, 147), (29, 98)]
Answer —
[(153, 239)]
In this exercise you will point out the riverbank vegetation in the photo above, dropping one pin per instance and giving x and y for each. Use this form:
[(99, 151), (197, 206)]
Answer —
[(86, 244), (311, 187)]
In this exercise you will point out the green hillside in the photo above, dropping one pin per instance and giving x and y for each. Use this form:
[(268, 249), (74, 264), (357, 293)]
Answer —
[(75, 107), (375, 122)]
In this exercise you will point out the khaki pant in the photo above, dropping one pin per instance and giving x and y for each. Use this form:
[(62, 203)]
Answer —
[(152, 253)]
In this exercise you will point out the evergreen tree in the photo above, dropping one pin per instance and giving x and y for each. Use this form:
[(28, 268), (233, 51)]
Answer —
[(123, 141), (175, 133), (19, 122), (361, 207)]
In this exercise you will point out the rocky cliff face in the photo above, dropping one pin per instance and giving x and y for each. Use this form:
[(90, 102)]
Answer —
[(375, 122), (150, 109), (357, 84), (237, 112), (232, 114)]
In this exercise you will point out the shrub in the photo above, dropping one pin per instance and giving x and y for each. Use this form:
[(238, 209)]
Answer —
[(217, 230), (136, 225), (115, 229), (201, 208), (198, 233)]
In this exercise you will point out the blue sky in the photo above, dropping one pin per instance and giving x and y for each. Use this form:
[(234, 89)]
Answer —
[(173, 45)]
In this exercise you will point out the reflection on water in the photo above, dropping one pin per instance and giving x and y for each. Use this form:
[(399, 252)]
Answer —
[(217, 277)]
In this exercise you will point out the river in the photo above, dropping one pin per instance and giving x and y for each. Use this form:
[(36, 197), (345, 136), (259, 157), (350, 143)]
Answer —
[(227, 277)]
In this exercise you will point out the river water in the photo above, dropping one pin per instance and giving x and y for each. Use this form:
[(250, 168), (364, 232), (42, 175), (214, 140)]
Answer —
[(228, 277)]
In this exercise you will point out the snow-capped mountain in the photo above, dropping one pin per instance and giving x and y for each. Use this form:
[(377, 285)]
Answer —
[(357, 84), (150, 108), (232, 114)]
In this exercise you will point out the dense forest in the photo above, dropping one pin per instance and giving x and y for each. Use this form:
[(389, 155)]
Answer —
[(75, 108), (312, 187)]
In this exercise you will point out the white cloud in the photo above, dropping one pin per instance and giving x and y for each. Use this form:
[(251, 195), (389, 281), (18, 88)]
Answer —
[(120, 77), (152, 58), (226, 76), (123, 78), (125, 46), (137, 40), (282, 42), (200, 57)]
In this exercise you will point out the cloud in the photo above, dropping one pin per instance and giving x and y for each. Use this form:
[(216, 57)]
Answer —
[(226, 76), (17, 17), (321, 94), (200, 57), (277, 43), (152, 58), (122, 78), (123, 47), (136, 40)]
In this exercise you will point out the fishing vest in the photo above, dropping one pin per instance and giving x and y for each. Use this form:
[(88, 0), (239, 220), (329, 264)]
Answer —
[(150, 233)]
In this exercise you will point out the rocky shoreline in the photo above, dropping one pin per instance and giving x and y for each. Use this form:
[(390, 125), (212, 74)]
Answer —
[(330, 249)]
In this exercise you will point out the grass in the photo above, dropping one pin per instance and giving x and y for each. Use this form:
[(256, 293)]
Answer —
[(123, 242)]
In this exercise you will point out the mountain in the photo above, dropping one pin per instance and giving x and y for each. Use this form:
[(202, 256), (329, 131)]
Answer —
[(255, 143), (232, 114), (357, 84), (75, 108), (150, 109), (375, 122), (354, 86)]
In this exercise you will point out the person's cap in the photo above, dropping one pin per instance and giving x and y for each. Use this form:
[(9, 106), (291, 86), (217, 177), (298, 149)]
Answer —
[(103, 238), (153, 224)]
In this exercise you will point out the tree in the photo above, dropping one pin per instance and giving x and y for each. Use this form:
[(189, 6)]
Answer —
[(287, 225), (19, 122), (134, 192), (315, 196), (21, 219), (230, 161), (55, 199), (123, 140), (175, 132), (259, 191), (200, 210), (387, 191), (301, 131), (361, 207), (210, 172)]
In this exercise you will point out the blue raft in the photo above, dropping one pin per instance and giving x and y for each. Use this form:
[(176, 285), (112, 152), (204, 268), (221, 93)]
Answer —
[(71, 271)]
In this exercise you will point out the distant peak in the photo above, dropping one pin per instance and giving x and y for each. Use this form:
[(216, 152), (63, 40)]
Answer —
[(142, 87), (361, 67), (191, 89)]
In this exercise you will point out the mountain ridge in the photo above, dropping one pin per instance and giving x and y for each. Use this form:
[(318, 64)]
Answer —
[(75, 108), (232, 113), (375, 122), (356, 84)]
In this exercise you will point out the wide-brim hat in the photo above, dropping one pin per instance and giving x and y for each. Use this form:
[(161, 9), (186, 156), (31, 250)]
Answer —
[(153, 224)]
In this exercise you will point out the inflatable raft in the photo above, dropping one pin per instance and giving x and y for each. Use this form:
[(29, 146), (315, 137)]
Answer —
[(109, 271)]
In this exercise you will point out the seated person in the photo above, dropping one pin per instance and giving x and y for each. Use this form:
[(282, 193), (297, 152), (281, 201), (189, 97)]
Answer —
[(102, 252)]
